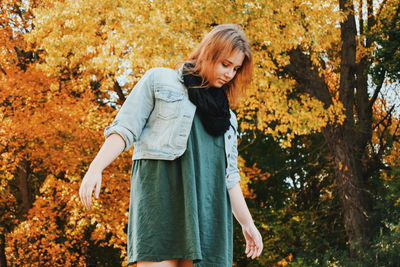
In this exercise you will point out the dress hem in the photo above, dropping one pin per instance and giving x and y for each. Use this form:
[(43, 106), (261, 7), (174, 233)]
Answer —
[(158, 257), (197, 260)]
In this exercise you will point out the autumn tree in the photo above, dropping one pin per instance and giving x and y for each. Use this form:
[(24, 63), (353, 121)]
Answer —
[(76, 61), (49, 133), (329, 65)]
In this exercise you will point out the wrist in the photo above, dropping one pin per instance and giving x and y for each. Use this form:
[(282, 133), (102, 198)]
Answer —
[(94, 168), (247, 224)]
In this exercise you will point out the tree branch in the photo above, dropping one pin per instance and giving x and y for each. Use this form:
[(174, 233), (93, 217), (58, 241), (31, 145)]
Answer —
[(377, 90), (307, 76), (388, 114), (118, 90)]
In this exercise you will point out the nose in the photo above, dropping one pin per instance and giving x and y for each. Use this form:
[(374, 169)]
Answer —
[(229, 74)]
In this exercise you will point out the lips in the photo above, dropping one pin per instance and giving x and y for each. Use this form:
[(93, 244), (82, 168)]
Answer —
[(223, 81)]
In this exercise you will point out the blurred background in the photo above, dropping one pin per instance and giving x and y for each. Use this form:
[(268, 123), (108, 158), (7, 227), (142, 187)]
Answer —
[(319, 126)]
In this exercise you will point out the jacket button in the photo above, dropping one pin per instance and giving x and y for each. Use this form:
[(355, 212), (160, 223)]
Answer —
[(229, 136), (229, 155)]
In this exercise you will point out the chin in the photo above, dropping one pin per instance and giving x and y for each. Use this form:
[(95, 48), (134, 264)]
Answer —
[(218, 85)]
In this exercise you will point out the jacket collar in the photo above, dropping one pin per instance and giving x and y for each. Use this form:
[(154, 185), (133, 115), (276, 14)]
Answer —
[(180, 72)]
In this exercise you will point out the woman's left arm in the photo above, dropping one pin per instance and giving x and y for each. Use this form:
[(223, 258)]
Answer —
[(254, 244), (239, 206)]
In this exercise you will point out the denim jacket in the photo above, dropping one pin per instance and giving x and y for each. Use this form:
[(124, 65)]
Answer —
[(156, 119)]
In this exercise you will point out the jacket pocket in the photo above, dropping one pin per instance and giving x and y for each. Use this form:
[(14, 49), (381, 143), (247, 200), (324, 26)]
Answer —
[(167, 103)]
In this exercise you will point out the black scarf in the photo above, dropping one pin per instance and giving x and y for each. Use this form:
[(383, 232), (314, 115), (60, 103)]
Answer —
[(211, 102)]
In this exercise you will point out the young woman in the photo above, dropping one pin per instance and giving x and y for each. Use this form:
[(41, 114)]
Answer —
[(185, 180)]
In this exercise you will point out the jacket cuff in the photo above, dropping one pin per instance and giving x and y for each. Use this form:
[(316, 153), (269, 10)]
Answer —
[(232, 180), (122, 131)]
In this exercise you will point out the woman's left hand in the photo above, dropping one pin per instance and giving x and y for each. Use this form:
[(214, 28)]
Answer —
[(254, 244)]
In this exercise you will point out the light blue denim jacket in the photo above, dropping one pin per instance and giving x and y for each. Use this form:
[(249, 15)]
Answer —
[(156, 119)]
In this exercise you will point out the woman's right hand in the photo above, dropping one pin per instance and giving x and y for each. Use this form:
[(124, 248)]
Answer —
[(254, 243), (91, 179)]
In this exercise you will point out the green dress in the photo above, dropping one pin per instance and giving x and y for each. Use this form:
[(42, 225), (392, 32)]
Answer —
[(181, 208)]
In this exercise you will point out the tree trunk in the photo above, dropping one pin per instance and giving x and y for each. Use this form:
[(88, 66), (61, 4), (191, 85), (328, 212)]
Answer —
[(24, 186), (343, 140), (3, 262), (350, 187), (347, 142)]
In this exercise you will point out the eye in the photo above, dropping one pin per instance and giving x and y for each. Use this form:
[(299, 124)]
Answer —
[(227, 65)]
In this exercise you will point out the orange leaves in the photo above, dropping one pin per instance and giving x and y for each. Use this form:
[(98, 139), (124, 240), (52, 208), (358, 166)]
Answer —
[(55, 229), (248, 175), (285, 261), (44, 120), (56, 125), (40, 236)]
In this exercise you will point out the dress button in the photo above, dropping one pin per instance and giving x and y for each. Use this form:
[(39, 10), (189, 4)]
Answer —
[(229, 155), (229, 136)]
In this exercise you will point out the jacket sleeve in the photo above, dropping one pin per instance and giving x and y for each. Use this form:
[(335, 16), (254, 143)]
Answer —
[(232, 174), (135, 111)]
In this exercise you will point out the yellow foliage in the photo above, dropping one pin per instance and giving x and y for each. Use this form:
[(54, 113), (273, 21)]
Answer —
[(54, 120)]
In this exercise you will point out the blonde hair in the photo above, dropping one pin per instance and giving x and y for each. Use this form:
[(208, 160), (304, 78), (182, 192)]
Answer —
[(216, 46)]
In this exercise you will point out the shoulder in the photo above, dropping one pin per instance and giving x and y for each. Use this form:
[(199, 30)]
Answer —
[(159, 76), (163, 74)]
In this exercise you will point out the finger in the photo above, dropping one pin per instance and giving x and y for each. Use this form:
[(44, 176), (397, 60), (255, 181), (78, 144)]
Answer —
[(257, 243), (91, 196), (84, 199), (82, 195), (256, 247), (252, 251), (248, 248), (251, 248), (261, 244), (88, 198), (84, 190), (249, 254), (97, 193), (261, 248), (248, 242), (252, 245), (255, 251)]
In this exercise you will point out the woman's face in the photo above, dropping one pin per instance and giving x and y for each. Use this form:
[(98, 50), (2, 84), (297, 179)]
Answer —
[(226, 69)]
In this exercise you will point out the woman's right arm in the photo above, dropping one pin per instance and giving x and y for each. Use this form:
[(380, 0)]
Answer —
[(110, 150), (120, 134)]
